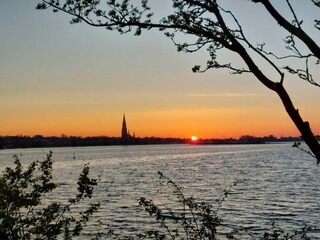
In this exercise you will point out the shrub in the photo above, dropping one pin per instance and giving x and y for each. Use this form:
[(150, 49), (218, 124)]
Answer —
[(198, 220), (24, 216)]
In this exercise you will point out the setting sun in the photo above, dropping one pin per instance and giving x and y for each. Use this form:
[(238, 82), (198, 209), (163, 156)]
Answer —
[(194, 138)]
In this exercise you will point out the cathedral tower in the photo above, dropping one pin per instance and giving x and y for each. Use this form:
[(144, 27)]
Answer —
[(124, 132)]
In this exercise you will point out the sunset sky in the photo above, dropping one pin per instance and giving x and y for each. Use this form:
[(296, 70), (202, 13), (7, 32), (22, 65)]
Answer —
[(57, 78)]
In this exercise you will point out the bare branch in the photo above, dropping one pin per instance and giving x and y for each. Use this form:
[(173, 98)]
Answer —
[(296, 21), (255, 49), (298, 32)]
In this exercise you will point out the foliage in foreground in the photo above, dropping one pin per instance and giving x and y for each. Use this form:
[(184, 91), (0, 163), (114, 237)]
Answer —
[(24, 216), (200, 220), (22, 212)]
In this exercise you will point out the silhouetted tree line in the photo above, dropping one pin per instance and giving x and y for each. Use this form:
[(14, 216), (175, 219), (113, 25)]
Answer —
[(73, 141), (39, 141)]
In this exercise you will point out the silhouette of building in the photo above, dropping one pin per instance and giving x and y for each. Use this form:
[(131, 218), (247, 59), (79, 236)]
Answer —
[(126, 138), (124, 131)]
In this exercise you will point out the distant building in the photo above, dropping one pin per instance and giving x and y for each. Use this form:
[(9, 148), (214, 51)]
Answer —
[(125, 134), (124, 131)]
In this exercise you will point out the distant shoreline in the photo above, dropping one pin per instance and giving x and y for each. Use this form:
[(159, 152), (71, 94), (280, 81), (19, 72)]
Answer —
[(38, 141)]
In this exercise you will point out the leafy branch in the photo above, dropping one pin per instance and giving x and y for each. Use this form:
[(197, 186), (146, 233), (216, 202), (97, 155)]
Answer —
[(22, 212)]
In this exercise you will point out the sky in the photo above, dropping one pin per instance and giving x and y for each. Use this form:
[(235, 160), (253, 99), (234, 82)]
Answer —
[(61, 78)]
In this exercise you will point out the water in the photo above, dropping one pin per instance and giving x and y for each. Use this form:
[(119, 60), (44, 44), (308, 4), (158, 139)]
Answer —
[(275, 182)]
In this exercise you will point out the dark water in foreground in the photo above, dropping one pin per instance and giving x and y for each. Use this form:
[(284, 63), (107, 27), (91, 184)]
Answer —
[(275, 182)]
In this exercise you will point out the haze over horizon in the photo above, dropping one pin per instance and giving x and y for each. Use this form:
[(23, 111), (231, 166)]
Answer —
[(57, 78)]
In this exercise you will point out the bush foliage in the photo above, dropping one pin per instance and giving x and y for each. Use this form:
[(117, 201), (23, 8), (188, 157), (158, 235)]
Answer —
[(23, 214)]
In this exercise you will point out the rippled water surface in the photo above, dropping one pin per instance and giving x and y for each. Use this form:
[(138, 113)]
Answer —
[(275, 182)]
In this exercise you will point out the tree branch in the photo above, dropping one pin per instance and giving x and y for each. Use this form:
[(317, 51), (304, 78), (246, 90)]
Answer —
[(298, 32)]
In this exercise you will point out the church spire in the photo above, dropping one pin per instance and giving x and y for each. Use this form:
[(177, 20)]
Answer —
[(124, 132)]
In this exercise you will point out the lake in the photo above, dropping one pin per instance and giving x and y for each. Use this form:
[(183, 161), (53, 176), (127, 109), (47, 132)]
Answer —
[(275, 182)]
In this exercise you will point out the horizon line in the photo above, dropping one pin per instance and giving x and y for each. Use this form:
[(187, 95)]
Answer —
[(101, 136)]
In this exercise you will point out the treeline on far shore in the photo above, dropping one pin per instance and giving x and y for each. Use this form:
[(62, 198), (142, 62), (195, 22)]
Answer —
[(73, 141)]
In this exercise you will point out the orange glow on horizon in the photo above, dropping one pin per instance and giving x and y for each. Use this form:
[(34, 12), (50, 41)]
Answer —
[(206, 123)]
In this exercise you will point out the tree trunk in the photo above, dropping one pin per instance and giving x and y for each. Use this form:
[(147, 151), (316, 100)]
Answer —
[(302, 126)]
